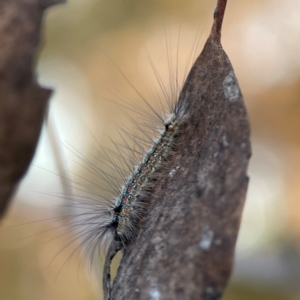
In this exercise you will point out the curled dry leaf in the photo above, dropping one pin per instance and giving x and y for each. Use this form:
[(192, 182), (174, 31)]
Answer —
[(185, 246)]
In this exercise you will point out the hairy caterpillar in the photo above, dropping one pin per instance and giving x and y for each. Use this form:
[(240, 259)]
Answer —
[(110, 221), (125, 213), (109, 213), (102, 217)]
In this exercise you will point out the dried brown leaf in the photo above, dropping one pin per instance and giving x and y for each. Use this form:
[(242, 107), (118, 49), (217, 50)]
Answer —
[(185, 247)]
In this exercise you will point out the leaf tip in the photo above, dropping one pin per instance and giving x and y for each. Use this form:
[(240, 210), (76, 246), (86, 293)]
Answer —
[(218, 21)]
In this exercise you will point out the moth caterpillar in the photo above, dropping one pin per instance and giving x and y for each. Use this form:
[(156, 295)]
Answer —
[(102, 220), (122, 217), (111, 220)]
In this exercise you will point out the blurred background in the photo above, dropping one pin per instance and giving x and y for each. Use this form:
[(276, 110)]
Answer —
[(91, 51)]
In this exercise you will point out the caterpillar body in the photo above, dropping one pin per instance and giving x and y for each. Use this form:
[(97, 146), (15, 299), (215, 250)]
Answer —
[(116, 220), (123, 216), (110, 224), (110, 219), (107, 218)]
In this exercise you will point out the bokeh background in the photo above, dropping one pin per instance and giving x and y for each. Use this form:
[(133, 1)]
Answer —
[(91, 50)]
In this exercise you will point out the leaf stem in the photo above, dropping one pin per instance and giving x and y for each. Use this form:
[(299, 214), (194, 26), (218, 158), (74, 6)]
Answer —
[(218, 21)]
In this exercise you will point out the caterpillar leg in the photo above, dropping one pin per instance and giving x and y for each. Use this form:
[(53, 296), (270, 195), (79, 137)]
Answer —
[(107, 284)]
